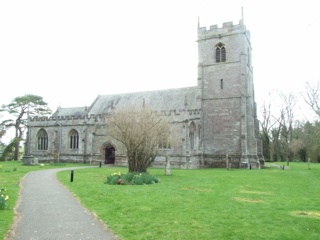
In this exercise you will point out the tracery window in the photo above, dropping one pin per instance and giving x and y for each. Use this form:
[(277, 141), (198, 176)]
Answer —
[(74, 139), (220, 53), (42, 137), (192, 135), (165, 144)]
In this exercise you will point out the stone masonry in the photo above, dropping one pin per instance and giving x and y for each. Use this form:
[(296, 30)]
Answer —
[(215, 121)]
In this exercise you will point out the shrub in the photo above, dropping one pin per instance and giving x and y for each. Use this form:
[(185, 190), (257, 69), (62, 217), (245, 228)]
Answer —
[(3, 199), (132, 178)]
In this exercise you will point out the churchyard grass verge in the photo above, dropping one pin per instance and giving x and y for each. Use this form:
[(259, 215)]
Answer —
[(11, 173), (206, 203)]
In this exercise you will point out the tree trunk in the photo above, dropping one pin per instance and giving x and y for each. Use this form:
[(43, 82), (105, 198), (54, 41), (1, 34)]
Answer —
[(19, 134), (16, 150), (16, 145)]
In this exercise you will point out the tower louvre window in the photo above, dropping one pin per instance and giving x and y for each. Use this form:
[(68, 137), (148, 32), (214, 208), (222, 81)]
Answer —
[(223, 54), (220, 53)]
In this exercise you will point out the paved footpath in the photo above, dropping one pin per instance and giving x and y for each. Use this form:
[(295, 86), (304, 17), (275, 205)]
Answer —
[(47, 211)]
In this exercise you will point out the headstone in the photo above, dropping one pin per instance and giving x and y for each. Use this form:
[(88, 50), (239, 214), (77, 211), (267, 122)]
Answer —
[(168, 169), (28, 160)]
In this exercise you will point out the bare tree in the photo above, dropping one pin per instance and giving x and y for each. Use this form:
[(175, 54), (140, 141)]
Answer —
[(287, 116), (276, 126), (270, 128), (312, 97), (140, 130), (265, 127)]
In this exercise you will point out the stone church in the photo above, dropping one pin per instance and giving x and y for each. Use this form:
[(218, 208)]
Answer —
[(216, 120)]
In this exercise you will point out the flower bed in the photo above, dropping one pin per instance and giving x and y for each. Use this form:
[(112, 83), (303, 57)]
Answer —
[(132, 178), (3, 199)]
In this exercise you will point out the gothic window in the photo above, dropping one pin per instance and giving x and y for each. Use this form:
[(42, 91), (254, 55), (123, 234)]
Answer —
[(220, 53), (42, 137), (221, 83), (165, 144), (74, 139), (192, 135)]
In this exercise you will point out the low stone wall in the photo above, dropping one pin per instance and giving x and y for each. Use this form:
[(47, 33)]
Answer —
[(63, 158), (234, 161), (176, 161)]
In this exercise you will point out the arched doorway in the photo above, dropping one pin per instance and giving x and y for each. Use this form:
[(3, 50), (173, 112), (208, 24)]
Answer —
[(109, 155)]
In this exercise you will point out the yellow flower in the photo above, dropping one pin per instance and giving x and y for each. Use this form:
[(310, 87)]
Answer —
[(6, 198)]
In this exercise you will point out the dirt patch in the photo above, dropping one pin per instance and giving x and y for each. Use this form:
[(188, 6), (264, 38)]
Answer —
[(312, 214), (249, 200), (196, 189), (255, 192)]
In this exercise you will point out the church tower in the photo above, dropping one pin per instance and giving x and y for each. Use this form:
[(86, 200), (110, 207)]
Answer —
[(230, 130)]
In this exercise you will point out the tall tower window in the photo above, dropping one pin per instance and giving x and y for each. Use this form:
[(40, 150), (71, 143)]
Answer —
[(74, 139), (221, 83), (42, 140), (192, 135), (220, 53)]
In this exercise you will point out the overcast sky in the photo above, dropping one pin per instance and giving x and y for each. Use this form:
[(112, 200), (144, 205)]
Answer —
[(69, 51)]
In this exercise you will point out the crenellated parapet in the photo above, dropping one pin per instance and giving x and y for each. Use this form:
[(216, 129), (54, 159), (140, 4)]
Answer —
[(94, 118), (179, 112), (60, 118), (69, 120), (228, 28)]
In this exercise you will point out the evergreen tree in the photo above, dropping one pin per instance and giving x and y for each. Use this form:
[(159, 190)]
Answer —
[(19, 110)]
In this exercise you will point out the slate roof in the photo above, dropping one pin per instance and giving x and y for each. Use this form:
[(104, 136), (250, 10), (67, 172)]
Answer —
[(74, 111), (170, 99), (160, 100)]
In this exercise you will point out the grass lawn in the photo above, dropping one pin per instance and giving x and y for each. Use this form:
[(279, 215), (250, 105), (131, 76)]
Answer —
[(11, 173), (207, 203)]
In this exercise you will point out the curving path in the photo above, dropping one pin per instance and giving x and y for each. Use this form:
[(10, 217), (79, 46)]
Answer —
[(47, 210)]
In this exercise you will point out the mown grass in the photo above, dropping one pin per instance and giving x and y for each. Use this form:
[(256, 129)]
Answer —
[(11, 173), (207, 203)]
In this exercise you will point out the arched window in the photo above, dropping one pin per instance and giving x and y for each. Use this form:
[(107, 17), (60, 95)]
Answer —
[(192, 135), (74, 139), (42, 137), (165, 143), (220, 53)]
